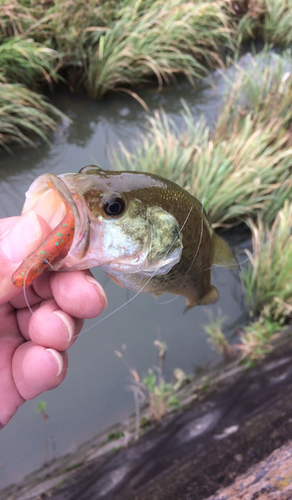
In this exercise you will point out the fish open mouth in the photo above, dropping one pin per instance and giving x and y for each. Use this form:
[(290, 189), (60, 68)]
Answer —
[(50, 198)]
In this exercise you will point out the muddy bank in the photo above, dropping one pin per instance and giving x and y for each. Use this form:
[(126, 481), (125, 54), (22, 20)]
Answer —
[(192, 452)]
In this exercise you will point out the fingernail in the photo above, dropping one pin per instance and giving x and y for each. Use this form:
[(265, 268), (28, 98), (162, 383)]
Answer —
[(101, 291), (57, 356), (66, 322), (22, 238)]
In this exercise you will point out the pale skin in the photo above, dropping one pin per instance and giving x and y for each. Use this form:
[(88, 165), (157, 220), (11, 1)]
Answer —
[(33, 356)]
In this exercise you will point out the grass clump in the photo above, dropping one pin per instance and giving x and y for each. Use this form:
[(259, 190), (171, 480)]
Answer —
[(161, 394), (15, 18), (23, 114), (153, 390), (268, 20), (218, 340), (28, 62), (243, 168), (158, 39), (256, 339), (268, 280), (268, 283)]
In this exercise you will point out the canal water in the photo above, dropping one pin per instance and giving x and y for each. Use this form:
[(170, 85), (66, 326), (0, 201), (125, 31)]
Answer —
[(94, 394)]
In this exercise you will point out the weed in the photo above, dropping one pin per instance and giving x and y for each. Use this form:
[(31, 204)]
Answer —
[(153, 389), (218, 340), (256, 339), (41, 409), (161, 394)]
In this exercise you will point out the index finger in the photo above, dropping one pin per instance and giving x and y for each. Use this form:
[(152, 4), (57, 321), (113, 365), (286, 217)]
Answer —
[(19, 237)]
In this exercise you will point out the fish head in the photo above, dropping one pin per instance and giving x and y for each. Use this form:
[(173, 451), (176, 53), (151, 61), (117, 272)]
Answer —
[(119, 225)]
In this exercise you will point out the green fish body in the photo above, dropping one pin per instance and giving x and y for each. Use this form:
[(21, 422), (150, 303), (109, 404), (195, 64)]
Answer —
[(146, 232)]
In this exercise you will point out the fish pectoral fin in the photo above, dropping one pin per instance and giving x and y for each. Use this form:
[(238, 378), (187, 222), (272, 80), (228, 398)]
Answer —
[(210, 298), (223, 256), (115, 280)]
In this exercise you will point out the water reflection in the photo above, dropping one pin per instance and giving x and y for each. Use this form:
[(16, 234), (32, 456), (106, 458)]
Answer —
[(93, 395)]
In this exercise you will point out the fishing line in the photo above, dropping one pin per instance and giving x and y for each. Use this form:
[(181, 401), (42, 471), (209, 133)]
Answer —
[(141, 289), (200, 240), (167, 301), (25, 287)]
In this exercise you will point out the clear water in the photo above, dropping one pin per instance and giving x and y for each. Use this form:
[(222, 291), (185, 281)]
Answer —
[(94, 394)]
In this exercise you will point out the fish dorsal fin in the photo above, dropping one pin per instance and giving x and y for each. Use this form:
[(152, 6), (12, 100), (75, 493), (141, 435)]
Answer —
[(222, 255)]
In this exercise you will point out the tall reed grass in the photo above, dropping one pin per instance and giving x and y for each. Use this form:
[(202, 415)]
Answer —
[(28, 62), (158, 39), (243, 167), (23, 115), (15, 18), (268, 284), (268, 280), (268, 20)]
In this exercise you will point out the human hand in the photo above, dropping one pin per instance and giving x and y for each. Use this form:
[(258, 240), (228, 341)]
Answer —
[(33, 348)]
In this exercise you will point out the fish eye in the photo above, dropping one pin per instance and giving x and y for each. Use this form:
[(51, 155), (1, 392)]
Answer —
[(114, 206)]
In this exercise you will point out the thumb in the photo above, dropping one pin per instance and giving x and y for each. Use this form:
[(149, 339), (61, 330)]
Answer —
[(16, 243)]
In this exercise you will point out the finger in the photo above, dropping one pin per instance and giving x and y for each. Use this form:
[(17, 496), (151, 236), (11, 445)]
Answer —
[(15, 245), (10, 339), (37, 369), (51, 327), (23, 300), (40, 289), (42, 285), (78, 293)]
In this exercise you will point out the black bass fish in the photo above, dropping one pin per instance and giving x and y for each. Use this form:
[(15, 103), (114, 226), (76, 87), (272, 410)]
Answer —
[(146, 232)]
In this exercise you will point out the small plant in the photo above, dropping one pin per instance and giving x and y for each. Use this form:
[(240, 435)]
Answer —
[(218, 340), (41, 409), (256, 339), (154, 389), (161, 394)]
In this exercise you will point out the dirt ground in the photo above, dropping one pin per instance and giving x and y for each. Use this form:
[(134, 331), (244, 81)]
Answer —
[(197, 450)]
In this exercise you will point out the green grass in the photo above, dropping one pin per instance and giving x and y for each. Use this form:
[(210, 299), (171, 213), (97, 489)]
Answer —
[(218, 340), (27, 62), (243, 167), (15, 18), (268, 280), (159, 40), (25, 114), (269, 20), (256, 340), (121, 45), (268, 284)]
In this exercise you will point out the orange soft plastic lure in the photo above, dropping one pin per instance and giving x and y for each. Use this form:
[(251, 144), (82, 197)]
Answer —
[(46, 252)]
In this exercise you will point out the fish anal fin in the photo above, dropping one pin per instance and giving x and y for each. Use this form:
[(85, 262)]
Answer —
[(210, 298), (222, 255)]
